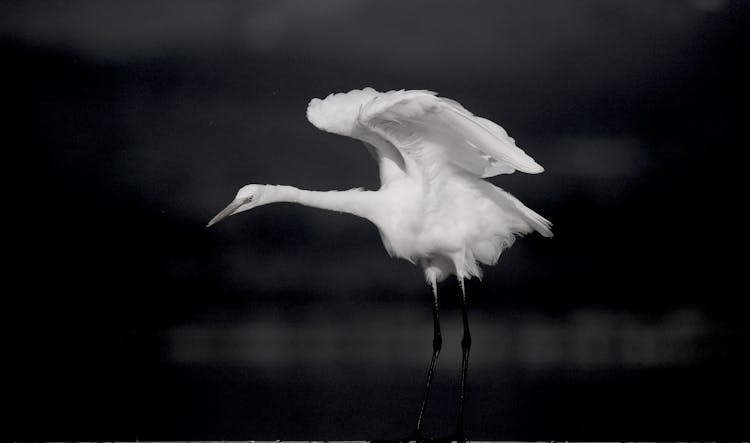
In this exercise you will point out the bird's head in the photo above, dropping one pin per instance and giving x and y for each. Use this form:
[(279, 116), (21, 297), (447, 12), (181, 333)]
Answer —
[(247, 197), (338, 113)]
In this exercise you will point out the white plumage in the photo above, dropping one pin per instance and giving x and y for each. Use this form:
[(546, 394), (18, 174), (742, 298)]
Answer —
[(433, 207)]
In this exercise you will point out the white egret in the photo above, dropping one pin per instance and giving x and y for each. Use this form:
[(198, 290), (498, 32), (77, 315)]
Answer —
[(433, 207)]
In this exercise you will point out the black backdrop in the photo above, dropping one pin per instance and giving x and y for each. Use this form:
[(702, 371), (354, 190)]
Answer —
[(130, 124)]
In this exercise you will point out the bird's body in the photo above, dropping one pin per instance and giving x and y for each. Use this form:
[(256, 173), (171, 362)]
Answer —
[(434, 207), (447, 226)]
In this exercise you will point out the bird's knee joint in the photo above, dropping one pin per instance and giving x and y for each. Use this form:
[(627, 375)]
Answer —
[(437, 343), (466, 342)]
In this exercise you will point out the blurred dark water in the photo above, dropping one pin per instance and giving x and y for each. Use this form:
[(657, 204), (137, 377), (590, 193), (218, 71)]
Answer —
[(202, 402), (129, 125)]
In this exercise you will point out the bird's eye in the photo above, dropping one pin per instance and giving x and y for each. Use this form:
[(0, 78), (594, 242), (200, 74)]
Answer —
[(248, 199)]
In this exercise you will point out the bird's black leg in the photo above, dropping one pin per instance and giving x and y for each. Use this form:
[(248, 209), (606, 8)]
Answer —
[(437, 344), (465, 348)]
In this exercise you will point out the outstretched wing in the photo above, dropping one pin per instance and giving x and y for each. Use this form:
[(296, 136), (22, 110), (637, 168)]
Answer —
[(420, 123)]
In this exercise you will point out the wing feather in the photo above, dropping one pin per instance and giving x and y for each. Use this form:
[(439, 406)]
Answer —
[(417, 120)]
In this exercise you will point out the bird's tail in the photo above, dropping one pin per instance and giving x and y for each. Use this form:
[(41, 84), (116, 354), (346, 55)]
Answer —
[(539, 223), (534, 221)]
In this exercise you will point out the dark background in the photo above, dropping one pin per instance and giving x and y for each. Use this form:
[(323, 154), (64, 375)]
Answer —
[(130, 124)]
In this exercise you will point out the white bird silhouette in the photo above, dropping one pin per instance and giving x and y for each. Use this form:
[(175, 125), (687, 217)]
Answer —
[(433, 207)]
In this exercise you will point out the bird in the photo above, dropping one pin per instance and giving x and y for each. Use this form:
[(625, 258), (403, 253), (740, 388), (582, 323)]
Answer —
[(434, 207)]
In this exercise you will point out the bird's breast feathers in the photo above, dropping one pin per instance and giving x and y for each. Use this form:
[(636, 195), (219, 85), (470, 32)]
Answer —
[(416, 220)]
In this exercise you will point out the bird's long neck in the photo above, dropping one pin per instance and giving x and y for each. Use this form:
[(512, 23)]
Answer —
[(354, 201)]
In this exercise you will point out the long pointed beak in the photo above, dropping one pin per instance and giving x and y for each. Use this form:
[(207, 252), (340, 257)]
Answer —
[(226, 212)]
